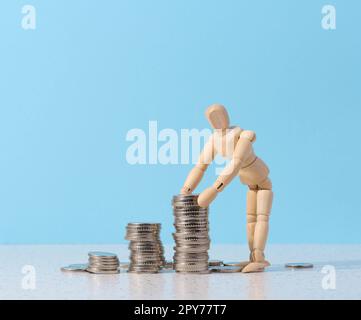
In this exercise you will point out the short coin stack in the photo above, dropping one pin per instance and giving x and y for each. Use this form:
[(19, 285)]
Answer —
[(103, 263), (191, 236), (146, 249)]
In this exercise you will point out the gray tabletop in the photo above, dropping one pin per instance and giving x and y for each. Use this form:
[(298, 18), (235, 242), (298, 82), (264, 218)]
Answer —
[(33, 272)]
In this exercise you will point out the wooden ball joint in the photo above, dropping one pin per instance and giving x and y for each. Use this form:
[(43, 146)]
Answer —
[(236, 144)]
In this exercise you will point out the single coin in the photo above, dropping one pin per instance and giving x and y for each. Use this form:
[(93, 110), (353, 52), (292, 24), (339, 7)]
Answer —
[(233, 264), (75, 267), (123, 265), (226, 269), (97, 271), (168, 265), (215, 263), (299, 265), (105, 262), (101, 254), (144, 224), (102, 267)]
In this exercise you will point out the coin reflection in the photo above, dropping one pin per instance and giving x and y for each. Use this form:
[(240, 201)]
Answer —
[(188, 286), (146, 286)]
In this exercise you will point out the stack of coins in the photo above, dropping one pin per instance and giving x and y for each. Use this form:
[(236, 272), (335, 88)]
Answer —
[(191, 236), (103, 263), (146, 249)]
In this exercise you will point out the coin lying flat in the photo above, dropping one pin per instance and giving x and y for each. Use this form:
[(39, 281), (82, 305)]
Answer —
[(226, 269), (168, 265), (102, 254), (75, 267), (123, 265), (236, 264), (299, 265), (97, 271), (215, 263)]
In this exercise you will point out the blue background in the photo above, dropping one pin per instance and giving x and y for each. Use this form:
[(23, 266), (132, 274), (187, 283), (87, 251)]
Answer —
[(92, 70)]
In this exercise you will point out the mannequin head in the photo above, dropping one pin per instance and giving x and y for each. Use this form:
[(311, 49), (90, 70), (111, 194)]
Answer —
[(217, 116)]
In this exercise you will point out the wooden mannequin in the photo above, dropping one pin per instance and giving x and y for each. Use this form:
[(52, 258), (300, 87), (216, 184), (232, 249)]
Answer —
[(235, 144)]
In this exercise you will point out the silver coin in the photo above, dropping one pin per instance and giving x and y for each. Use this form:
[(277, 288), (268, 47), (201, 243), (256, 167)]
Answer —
[(178, 257), (190, 221), (188, 270), (192, 231), (168, 265), (184, 227), (155, 233), (103, 262), (143, 224), (145, 253), (190, 260), (144, 245), (134, 266), (145, 257), (185, 196), (145, 266), (139, 246), (191, 265), (146, 262), (151, 235), (299, 265), (233, 264), (115, 258), (190, 211), (96, 271), (142, 233), (75, 267), (140, 239), (190, 235), (226, 269), (215, 263), (193, 242), (100, 267), (123, 265), (102, 254), (193, 249)]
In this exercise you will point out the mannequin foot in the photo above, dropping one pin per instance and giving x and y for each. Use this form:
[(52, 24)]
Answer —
[(255, 267), (258, 262)]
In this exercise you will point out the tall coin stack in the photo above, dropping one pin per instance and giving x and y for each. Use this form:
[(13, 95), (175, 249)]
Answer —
[(191, 236), (146, 249)]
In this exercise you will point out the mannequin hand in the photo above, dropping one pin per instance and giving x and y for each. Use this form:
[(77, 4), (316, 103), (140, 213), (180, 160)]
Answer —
[(207, 196), (185, 190)]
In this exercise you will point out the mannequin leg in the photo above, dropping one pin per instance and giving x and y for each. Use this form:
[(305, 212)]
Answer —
[(264, 205), (251, 211)]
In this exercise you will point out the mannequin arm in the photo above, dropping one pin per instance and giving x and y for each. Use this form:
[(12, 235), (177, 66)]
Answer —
[(196, 174), (241, 151)]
